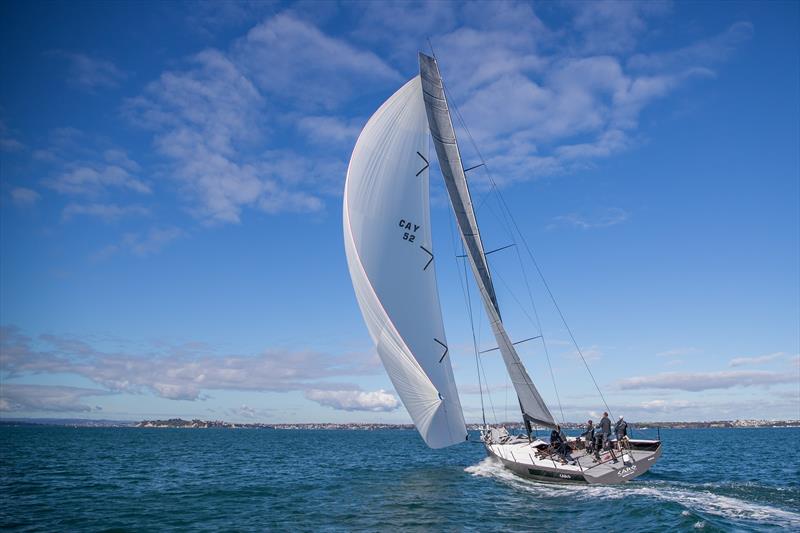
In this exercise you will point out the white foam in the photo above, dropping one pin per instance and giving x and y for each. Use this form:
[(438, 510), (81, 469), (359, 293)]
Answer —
[(698, 500)]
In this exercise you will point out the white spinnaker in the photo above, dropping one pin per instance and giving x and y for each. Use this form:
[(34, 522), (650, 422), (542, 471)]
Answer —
[(387, 238)]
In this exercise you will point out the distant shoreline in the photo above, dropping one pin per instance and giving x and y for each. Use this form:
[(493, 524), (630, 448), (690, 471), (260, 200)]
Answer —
[(179, 423)]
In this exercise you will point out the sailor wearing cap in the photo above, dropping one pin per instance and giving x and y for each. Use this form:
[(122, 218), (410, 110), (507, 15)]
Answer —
[(621, 428)]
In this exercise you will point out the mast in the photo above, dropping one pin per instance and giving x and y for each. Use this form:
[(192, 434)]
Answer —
[(531, 403)]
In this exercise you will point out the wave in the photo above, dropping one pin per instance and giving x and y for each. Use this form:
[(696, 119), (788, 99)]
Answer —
[(700, 500)]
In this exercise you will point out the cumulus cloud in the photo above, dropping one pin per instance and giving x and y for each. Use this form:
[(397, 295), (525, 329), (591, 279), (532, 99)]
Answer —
[(306, 66), (79, 169), (678, 352), (355, 400), (142, 244), (177, 372), (330, 129), (207, 119), (83, 179), (24, 197), (539, 102), (613, 26), (48, 398), (603, 219), (403, 23), (244, 411), (741, 361), (668, 405), (700, 381), (7, 142), (104, 211), (91, 73), (705, 51)]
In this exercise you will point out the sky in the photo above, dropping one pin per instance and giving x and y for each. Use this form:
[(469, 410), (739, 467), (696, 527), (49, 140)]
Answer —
[(171, 178)]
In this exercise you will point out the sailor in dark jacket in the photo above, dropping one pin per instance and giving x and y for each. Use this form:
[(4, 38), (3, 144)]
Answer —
[(555, 437), (605, 426), (588, 436), (605, 431), (559, 443), (621, 428)]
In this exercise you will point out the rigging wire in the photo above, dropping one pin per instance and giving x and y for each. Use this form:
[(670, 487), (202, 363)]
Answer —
[(538, 323), (465, 290), (481, 367), (528, 249), (480, 359), (541, 335)]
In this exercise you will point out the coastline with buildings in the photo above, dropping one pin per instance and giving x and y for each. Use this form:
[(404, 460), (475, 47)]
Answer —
[(179, 423)]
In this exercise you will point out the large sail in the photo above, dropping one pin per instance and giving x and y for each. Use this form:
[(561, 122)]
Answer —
[(444, 139), (387, 235)]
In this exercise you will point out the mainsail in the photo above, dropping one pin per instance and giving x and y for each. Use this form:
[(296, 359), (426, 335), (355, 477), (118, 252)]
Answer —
[(387, 237), (444, 139)]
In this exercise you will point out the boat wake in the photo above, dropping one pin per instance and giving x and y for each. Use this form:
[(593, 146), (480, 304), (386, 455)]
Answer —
[(695, 499)]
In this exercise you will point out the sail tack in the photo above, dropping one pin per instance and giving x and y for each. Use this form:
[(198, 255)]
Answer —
[(444, 139), (390, 256)]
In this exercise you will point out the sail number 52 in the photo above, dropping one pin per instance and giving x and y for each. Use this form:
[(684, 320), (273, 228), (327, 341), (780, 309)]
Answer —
[(411, 230)]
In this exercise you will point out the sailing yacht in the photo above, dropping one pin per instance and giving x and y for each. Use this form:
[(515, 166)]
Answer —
[(392, 264)]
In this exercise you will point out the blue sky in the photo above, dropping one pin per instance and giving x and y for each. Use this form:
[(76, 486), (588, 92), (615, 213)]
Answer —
[(171, 181)]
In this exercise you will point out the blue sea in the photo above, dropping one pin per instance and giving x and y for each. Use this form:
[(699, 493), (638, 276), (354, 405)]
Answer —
[(129, 479)]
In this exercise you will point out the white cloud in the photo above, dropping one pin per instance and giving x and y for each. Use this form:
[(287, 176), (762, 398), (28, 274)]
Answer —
[(539, 102), (46, 398), (142, 244), (677, 352), (613, 25), (104, 211), (180, 372), (404, 24), (152, 241), (668, 405), (120, 158), (607, 217), (244, 411), (24, 197), (90, 73), (741, 361), (208, 121), (330, 129), (703, 52), (700, 381), (7, 142), (294, 61), (92, 179), (355, 400)]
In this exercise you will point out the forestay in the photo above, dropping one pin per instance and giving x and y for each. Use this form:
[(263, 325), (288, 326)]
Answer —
[(444, 139), (387, 237)]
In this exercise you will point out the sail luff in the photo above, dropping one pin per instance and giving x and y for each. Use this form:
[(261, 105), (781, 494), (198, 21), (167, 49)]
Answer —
[(444, 139), (388, 244)]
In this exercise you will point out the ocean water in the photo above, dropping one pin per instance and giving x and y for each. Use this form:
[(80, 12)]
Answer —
[(93, 479)]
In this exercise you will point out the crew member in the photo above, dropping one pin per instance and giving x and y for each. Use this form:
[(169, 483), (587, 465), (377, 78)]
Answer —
[(559, 443), (588, 436), (621, 429), (605, 431)]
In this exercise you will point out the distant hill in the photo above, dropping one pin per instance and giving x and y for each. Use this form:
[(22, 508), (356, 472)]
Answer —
[(76, 422)]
